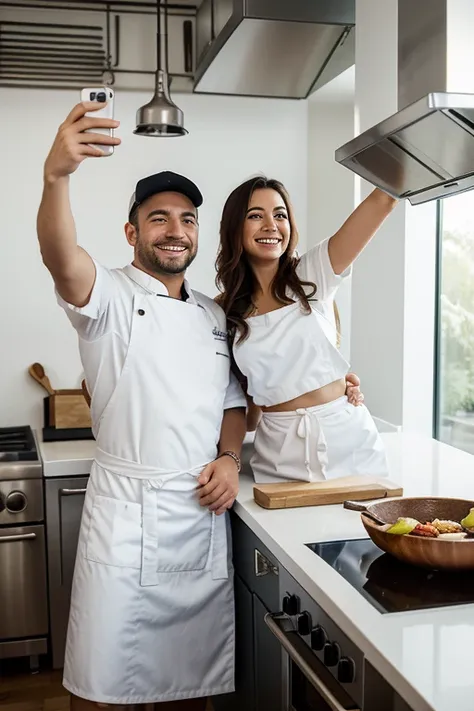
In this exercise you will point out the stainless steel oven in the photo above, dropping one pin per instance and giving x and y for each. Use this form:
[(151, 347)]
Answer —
[(322, 669), (308, 683), (23, 588)]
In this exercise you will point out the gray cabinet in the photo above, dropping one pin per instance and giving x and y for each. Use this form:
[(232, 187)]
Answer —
[(64, 503), (258, 653), (244, 648)]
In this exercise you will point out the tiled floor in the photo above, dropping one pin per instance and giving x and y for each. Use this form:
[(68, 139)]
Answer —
[(21, 691)]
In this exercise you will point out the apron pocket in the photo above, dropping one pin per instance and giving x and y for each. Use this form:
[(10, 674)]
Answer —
[(115, 533), (185, 529)]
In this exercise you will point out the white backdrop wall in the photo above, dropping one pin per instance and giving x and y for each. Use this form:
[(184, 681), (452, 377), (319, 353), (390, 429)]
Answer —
[(230, 140)]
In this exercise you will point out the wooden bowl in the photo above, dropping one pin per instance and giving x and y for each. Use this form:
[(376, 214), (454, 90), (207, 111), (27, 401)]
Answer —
[(439, 554)]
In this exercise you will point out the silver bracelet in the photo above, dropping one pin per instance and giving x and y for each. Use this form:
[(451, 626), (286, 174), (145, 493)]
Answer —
[(233, 456)]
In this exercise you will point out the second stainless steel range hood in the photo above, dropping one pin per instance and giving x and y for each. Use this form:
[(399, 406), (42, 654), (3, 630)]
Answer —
[(272, 48), (426, 150)]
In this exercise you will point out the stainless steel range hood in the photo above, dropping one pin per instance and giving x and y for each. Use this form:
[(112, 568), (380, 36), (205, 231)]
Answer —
[(272, 48), (426, 150)]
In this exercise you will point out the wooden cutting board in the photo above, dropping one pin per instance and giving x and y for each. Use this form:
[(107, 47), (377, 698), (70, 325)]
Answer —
[(69, 409), (335, 491)]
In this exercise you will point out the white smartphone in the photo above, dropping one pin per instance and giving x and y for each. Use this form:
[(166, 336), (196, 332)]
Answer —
[(105, 95)]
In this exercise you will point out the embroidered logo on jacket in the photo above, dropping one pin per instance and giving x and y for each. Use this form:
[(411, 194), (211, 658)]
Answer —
[(219, 335)]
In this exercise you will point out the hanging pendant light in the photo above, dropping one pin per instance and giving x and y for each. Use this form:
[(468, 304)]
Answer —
[(160, 117)]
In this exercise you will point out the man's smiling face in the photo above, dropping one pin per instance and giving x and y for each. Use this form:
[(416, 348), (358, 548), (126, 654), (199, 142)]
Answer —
[(165, 234)]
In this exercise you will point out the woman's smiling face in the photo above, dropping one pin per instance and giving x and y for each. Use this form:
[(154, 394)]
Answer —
[(267, 228)]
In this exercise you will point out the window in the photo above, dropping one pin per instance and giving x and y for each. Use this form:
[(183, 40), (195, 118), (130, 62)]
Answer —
[(454, 411)]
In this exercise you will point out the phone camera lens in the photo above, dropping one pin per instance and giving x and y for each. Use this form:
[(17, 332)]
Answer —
[(92, 96), (101, 96)]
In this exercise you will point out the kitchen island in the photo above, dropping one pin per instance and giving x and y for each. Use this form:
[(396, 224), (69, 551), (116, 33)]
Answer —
[(419, 653)]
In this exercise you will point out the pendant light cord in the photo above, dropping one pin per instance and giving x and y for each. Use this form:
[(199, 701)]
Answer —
[(166, 36), (158, 34)]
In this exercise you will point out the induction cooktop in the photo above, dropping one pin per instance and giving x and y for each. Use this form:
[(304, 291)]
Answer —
[(392, 586)]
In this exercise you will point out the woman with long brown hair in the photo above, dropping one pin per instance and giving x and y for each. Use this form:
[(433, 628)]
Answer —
[(280, 311)]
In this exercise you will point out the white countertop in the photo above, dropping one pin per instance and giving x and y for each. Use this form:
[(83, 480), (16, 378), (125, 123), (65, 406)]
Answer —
[(68, 458), (419, 653)]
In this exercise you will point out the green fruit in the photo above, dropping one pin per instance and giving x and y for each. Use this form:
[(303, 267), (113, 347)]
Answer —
[(468, 522), (403, 526)]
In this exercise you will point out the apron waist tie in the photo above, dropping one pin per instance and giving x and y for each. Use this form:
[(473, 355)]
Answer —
[(309, 421), (135, 470), (153, 479)]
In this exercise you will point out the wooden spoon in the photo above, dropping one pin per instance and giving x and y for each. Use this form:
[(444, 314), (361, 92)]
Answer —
[(37, 373)]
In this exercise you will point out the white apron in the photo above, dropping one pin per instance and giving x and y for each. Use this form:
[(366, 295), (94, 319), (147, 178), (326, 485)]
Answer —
[(317, 443), (152, 613)]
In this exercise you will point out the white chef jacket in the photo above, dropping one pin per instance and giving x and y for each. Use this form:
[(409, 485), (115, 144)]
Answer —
[(103, 326), (289, 352)]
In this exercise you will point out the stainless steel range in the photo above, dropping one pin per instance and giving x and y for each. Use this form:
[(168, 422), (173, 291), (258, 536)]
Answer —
[(23, 587), (322, 669)]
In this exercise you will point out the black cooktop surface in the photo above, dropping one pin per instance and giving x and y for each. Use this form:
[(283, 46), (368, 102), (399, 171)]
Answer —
[(392, 586), (17, 444)]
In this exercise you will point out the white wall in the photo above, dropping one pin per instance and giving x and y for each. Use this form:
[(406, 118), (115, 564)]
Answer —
[(230, 139), (331, 186)]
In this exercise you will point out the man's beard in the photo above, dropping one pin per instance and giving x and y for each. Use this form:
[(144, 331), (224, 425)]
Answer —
[(151, 260)]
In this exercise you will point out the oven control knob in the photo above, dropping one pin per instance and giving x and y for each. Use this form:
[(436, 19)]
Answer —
[(291, 605), (304, 623), (318, 638), (16, 502), (332, 654), (346, 670), (2, 503)]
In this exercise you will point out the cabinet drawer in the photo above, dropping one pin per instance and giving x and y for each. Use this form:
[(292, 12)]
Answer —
[(257, 567)]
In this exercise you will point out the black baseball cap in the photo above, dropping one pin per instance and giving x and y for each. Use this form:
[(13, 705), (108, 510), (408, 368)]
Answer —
[(166, 181)]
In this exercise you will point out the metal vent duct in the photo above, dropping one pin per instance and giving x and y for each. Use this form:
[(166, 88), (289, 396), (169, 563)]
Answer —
[(52, 53), (75, 43)]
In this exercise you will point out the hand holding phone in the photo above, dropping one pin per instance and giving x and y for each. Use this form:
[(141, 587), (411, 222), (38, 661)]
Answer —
[(83, 134), (104, 95)]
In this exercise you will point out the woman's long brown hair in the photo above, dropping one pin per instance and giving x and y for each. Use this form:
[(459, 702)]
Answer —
[(235, 279)]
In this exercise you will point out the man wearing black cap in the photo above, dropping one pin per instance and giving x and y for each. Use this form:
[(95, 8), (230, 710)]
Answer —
[(151, 617)]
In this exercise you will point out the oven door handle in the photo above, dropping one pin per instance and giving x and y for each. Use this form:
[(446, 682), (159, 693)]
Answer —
[(18, 537), (64, 492), (72, 492), (276, 624)]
